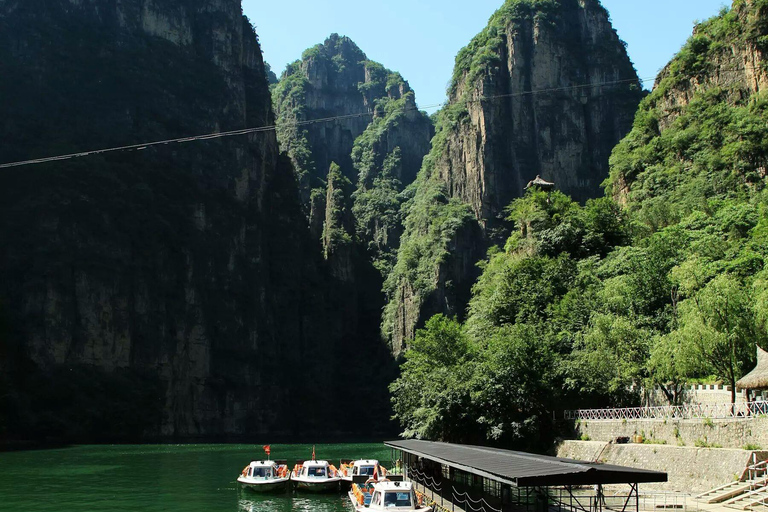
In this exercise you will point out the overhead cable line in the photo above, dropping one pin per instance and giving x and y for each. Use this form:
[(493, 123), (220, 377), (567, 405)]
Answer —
[(260, 129)]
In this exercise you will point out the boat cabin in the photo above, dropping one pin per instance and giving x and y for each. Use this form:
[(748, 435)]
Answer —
[(316, 469), (365, 467), (261, 469), (389, 495)]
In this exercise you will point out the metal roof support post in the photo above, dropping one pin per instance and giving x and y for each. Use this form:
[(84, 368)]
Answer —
[(599, 499), (632, 491), (637, 497)]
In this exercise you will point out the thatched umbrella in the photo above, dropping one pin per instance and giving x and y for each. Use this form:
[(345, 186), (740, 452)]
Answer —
[(757, 378)]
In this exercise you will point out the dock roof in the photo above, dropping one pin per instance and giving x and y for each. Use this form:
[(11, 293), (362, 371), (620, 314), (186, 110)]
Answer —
[(525, 469)]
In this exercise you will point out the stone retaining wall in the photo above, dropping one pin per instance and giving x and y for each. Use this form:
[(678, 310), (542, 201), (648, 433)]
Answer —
[(703, 394), (690, 470), (732, 433)]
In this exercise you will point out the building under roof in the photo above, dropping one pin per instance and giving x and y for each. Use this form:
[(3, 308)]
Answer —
[(504, 480)]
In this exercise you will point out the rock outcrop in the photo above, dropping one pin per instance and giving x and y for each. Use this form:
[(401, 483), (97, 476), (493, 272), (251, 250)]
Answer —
[(169, 292), (546, 89)]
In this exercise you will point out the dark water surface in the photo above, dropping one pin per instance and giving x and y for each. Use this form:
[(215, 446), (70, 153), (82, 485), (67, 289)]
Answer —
[(183, 478)]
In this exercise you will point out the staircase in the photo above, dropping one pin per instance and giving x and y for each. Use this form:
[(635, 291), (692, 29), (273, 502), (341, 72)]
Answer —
[(730, 491), (749, 493), (749, 500)]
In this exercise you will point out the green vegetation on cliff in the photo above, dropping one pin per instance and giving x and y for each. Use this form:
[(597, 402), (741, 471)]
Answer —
[(482, 53), (584, 302), (337, 79), (486, 148), (432, 221), (383, 173), (378, 144), (701, 134)]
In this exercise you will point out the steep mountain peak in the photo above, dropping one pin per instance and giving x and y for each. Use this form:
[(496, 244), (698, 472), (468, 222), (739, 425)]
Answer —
[(336, 79), (344, 47), (547, 88)]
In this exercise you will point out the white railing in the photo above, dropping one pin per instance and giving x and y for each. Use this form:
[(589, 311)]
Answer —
[(683, 412)]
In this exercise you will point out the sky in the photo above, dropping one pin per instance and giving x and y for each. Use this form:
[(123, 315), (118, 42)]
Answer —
[(420, 38)]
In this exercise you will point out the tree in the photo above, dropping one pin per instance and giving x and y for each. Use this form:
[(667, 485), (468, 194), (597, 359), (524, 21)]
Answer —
[(431, 398), (719, 329), (609, 357), (514, 386)]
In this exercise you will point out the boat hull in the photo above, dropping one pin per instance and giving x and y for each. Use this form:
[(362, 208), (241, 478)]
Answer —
[(263, 485), (315, 486)]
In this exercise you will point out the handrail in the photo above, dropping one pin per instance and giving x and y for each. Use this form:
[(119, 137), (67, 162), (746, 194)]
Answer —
[(690, 411), (425, 479), (465, 499)]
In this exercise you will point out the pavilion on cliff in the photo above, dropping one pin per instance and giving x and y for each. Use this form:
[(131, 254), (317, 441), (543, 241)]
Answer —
[(541, 184)]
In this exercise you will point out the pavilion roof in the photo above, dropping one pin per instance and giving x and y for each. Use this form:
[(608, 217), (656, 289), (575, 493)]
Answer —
[(757, 378)]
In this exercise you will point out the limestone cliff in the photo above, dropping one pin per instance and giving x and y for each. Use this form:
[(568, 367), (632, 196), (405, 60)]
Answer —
[(700, 135), (378, 143), (546, 89), (170, 292), (336, 79)]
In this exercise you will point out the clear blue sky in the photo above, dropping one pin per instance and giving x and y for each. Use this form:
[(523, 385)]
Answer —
[(420, 38)]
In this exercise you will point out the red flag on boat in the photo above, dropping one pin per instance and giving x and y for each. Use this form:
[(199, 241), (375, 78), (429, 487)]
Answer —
[(267, 448), (313, 452)]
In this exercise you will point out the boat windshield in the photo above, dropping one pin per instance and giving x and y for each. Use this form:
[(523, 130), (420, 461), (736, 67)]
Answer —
[(366, 470), (261, 472), (398, 499), (318, 472)]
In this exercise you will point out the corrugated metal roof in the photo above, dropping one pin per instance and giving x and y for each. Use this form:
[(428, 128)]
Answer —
[(524, 469)]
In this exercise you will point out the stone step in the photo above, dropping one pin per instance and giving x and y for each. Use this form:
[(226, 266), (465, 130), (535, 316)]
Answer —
[(729, 491), (749, 499)]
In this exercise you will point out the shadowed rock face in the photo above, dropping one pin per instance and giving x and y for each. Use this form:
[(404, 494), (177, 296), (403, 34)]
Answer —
[(184, 275), (546, 89)]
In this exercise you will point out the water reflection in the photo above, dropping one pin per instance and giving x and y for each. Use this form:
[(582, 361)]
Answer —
[(293, 502), (159, 478)]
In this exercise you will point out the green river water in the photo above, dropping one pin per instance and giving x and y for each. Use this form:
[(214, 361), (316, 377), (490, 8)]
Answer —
[(153, 478)]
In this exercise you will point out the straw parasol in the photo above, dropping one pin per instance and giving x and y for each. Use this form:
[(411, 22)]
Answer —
[(757, 378)]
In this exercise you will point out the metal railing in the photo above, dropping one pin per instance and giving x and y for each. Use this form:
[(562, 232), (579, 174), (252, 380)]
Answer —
[(682, 412), (757, 470)]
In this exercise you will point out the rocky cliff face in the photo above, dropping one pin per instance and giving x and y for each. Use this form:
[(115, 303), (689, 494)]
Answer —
[(378, 143), (688, 144), (173, 291), (376, 148), (546, 89), (336, 79)]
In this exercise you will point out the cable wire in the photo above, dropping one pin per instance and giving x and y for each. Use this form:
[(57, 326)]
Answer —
[(262, 129)]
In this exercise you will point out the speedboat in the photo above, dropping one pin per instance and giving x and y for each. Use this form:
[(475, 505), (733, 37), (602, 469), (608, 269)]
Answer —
[(265, 475), (316, 476), (386, 496)]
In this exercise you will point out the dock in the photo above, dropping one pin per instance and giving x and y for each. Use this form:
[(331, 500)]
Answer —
[(464, 478)]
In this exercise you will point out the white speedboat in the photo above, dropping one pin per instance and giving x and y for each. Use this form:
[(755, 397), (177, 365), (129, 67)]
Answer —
[(386, 496), (316, 476), (265, 475)]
